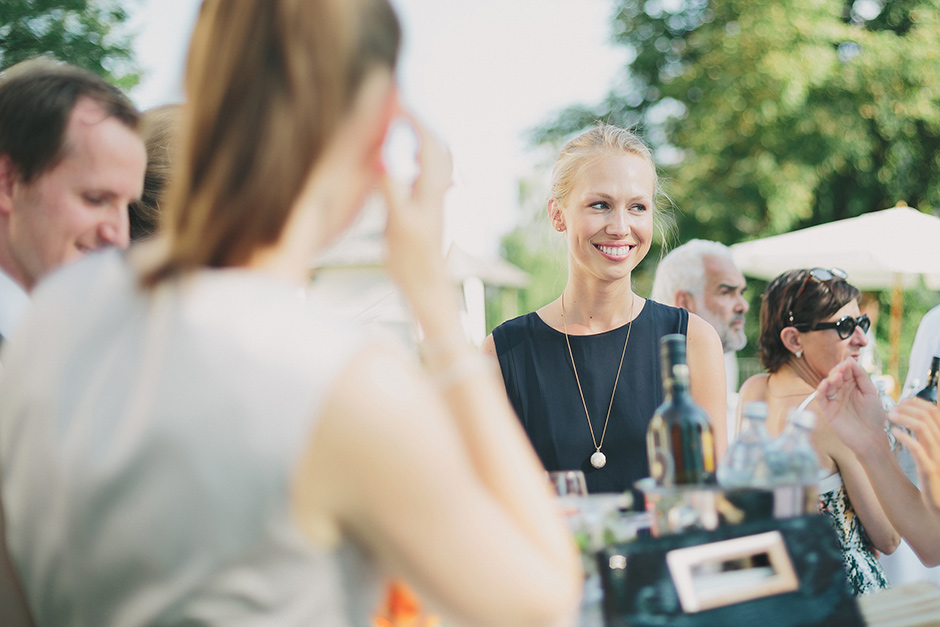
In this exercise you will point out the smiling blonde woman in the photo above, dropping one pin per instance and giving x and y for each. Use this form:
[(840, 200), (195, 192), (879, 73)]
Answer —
[(583, 371)]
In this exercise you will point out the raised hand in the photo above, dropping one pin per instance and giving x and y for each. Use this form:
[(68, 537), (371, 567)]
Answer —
[(849, 401), (415, 215), (923, 420)]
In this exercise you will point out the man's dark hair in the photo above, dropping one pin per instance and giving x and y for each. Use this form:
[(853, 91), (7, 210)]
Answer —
[(36, 99)]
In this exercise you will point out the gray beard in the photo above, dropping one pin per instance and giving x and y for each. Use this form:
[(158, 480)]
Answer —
[(732, 340)]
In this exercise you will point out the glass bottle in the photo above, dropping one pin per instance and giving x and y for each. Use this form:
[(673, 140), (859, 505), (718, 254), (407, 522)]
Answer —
[(905, 460), (791, 457), (679, 439), (745, 462), (929, 391)]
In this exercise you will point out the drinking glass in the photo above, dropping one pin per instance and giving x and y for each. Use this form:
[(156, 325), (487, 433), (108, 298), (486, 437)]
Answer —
[(568, 482)]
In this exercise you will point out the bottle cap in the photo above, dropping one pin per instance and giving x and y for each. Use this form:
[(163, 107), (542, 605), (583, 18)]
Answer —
[(672, 347), (804, 418), (755, 410), (671, 352), (680, 373)]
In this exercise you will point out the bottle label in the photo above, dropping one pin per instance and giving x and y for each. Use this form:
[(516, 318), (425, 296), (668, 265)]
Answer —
[(662, 463), (708, 451)]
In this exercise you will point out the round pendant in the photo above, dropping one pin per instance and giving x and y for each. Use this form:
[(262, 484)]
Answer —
[(598, 460)]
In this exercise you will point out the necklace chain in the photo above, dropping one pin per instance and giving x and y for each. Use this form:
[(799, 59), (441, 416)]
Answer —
[(564, 322)]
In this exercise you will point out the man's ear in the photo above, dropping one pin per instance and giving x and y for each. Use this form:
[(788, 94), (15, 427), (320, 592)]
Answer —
[(555, 215), (8, 180), (792, 340), (685, 300)]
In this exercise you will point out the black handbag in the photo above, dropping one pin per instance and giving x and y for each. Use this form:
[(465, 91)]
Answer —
[(770, 573)]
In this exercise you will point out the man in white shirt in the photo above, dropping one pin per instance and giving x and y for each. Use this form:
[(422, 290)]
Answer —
[(926, 347), (700, 276), (71, 160)]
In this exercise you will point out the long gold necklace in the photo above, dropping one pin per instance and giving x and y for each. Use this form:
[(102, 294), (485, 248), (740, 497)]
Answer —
[(598, 459)]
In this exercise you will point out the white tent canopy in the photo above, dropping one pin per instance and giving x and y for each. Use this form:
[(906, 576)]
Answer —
[(886, 249), (878, 250)]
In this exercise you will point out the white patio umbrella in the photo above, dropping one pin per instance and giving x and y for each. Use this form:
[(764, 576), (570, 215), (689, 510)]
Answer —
[(876, 249), (881, 250)]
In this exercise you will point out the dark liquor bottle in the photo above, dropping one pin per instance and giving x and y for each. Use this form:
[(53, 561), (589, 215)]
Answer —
[(929, 393), (679, 438)]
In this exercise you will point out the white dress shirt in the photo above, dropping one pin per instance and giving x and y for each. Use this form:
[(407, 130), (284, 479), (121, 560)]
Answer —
[(13, 303), (926, 345), (731, 381)]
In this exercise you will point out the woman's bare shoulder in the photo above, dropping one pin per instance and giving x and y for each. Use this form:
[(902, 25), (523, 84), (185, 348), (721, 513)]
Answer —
[(754, 388)]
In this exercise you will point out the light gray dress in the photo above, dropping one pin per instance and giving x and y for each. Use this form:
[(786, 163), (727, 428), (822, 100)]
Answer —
[(147, 442)]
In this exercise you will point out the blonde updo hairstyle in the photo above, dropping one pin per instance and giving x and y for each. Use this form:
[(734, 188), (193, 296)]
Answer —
[(605, 140)]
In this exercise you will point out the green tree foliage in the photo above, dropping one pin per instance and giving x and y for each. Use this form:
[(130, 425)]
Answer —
[(82, 32), (768, 116), (779, 114), (535, 247)]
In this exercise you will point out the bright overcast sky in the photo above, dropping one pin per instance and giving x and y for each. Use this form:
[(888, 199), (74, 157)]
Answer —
[(481, 72)]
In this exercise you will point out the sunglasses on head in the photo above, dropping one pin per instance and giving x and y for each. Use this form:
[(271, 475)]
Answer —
[(844, 326), (823, 276)]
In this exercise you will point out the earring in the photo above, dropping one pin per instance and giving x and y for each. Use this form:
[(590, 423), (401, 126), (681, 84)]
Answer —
[(799, 354)]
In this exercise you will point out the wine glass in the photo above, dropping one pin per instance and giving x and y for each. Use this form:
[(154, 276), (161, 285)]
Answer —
[(568, 482)]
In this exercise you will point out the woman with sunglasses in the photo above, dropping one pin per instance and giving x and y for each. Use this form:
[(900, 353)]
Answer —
[(810, 323)]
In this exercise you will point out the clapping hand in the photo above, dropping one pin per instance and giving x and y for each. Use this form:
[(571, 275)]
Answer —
[(849, 401), (922, 419)]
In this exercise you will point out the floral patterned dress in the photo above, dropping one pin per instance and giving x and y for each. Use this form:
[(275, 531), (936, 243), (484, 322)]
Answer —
[(861, 566)]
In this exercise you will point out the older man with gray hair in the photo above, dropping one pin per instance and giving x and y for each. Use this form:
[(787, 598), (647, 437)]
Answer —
[(700, 276)]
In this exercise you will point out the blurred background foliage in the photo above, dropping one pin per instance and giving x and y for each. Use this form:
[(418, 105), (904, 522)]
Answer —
[(765, 117), (87, 33)]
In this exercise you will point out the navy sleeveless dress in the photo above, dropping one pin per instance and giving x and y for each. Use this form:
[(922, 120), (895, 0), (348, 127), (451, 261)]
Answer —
[(541, 386)]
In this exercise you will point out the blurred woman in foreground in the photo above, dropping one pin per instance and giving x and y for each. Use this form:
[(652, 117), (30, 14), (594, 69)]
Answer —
[(809, 323), (183, 442)]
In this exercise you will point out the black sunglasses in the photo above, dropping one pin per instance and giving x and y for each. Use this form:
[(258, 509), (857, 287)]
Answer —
[(823, 276), (844, 326)]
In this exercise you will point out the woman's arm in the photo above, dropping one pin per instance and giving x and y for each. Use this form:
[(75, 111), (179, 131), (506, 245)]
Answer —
[(428, 467), (870, 512), (707, 377), (923, 420), (850, 403), (440, 483), (489, 346)]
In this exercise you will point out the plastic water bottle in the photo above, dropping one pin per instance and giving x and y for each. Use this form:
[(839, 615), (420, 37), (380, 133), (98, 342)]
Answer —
[(745, 462), (887, 403), (910, 389), (791, 457), (905, 460)]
